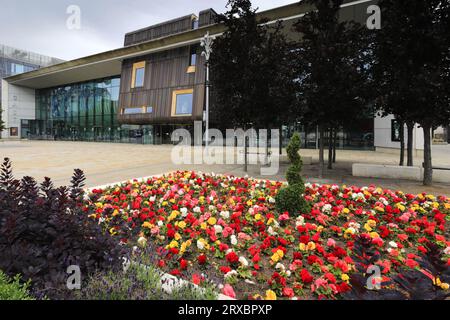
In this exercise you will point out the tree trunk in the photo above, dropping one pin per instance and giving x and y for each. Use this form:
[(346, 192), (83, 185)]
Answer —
[(281, 140), (269, 132), (410, 157), (428, 166), (330, 149), (334, 145), (402, 143), (321, 153)]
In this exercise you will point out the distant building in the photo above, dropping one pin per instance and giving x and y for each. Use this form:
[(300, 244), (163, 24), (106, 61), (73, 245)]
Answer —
[(14, 61)]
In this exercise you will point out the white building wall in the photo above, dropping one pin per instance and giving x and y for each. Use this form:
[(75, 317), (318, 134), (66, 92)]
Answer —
[(18, 103), (383, 139)]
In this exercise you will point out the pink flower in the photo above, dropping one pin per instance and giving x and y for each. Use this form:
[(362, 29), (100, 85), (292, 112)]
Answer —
[(288, 292), (227, 232), (228, 291), (331, 243)]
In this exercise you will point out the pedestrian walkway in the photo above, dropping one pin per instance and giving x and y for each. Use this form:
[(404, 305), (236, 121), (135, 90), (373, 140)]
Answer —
[(105, 163)]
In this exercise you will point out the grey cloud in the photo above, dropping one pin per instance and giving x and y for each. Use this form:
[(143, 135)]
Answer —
[(40, 26)]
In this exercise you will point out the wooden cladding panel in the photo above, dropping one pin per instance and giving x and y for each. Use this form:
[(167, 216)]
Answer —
[(164, 73)]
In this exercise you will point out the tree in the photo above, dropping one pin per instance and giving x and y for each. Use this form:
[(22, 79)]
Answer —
[(412, 67), (250, 70), (291, 198), (332, 71)]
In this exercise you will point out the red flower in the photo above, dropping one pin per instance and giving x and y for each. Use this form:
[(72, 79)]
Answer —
[(411, 263), (306, 276), (175, 272), (330, 277), (232, 257), (224, 269), (183, 264), (422, 249), (196, 279), (201, 259)]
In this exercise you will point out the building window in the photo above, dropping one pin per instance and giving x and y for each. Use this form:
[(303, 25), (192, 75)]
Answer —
[(192, 59), (395, 130), (17, 68), (138, 77), (137, 110), (194, 24), (182, 101), (132, 110), (14, 132)]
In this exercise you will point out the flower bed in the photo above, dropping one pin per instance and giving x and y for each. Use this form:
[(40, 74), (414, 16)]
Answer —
[(226, 229)]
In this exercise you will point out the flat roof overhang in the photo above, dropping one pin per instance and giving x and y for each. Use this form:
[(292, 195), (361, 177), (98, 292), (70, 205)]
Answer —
[(109, 63)]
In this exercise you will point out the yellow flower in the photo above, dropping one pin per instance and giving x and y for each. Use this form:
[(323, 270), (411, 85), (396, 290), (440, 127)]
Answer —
[(258, 217), (270, 295), (173, 244), (115, 213), (346, 211), (348, 233), (177, 236), (277, 256), (203, 226), (172, 201), (212, 221), (185, 246), (374, 235), (165, 203), (367, 227), (302, 247), (181, 224), (311, 246), (270, 221), (249, 203), (372, 223), (345, 277), (99, 205), (173, 215), (445, 286), (113, 231), (400, 207), (147, 225)]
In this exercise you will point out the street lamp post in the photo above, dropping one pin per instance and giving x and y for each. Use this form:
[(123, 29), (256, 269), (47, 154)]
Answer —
[(207, 43)]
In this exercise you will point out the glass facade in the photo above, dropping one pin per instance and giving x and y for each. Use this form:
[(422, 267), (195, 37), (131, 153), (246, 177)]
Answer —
[(359, 136), (83, 112)]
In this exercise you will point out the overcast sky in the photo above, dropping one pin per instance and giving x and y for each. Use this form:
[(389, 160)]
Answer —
[(41, 26)]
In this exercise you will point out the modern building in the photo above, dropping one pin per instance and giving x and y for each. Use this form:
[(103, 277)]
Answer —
[(141, 92), (14, 61)]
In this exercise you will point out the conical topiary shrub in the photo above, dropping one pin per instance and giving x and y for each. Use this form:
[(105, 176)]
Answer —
[(291, 198)]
